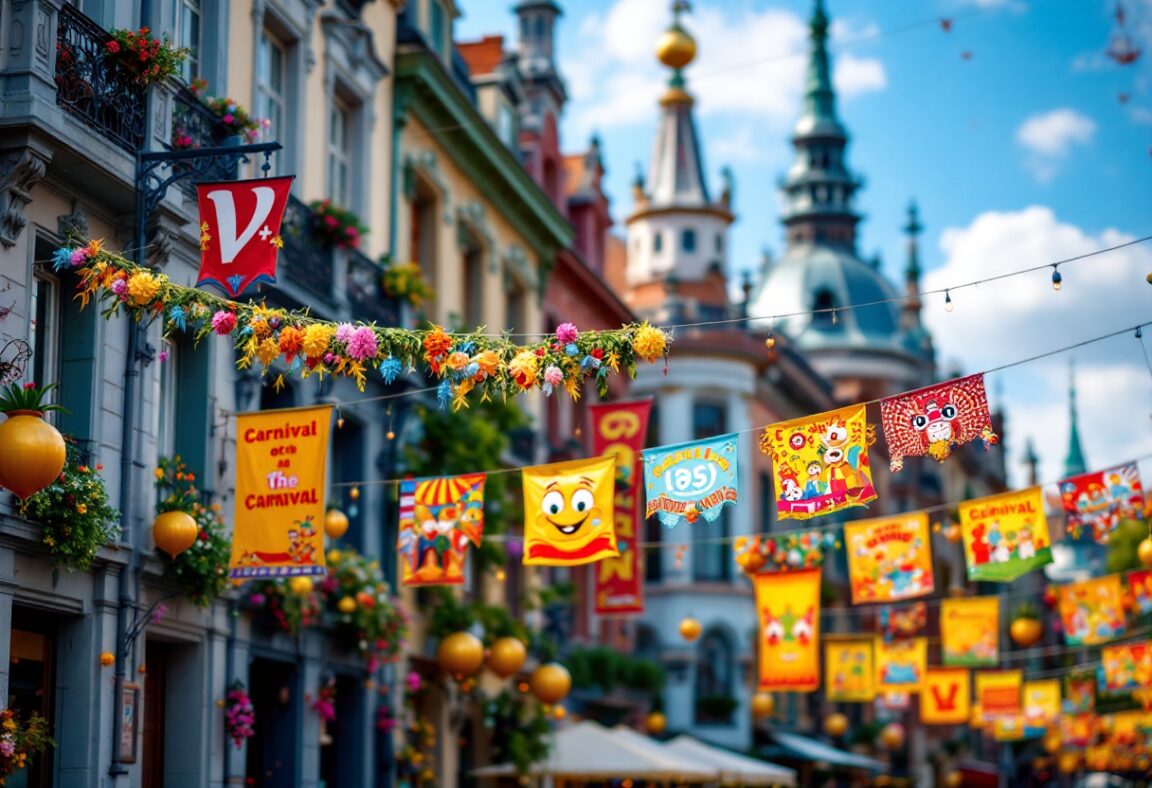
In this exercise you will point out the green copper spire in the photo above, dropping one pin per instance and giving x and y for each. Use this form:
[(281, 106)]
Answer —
[(1074, 462), (913, 229), (819, 99)]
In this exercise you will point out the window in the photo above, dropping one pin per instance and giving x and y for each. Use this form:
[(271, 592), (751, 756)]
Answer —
[(32, 684), (517, 318), (688, 240), (767, 502), (658, 242), (823, 309), (436, 26), (424, 229), (711, 557), (338, 136), (272, 84), (714, 673), (188, 35), (166, 406), (348, 448), (719, 242), (44, 331), (473, 288)]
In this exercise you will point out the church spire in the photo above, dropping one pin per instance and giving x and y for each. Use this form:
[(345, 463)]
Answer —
[(819, 97), (1074, 461), (1031, 462)]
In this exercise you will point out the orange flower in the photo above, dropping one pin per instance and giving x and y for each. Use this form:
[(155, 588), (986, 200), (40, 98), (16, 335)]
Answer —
[(488, 362), (436, 346), (457, 361), (291, 341)]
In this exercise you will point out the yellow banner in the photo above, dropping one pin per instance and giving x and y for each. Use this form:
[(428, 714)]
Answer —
[(281, 458), (789, 610), (849, 675), (1127, 667), (1041, 705), (568, 510), (946, 696), (1005, 536), (889, 558), (970, 631), (901, 664), (999, 693), (1092, 611)]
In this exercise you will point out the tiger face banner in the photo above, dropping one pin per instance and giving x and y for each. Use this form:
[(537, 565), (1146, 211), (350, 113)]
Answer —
[(788, 606), (889, 559), (692, 480), (946, 696), (568, 510), (281, 458), (1095, 503), (970, 631), (999, 693), (1041, 706), (618, 430), (1092, 611), (936, 420), (901, 665), (821, 462), (849, 675), (1005, 536), (1127, 667), (439, 518)]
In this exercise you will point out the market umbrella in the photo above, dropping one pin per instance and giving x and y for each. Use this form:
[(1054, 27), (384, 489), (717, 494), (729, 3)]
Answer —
[(734, 769)]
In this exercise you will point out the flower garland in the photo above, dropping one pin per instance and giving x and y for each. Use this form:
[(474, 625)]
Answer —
[(19, 742), (239, 715), (462, 363), (416, 761)]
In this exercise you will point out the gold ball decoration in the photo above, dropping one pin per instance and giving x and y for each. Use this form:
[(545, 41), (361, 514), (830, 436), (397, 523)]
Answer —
[(836, 724), (31, 453), (507, 656), (675, 48), (550, 683), (763, 705), (892, 736), (346, 605), (952, 533), (107, 658), (1026, 632), (656, 723), (953, 780), (335, 523), (559, 713), (460, 654), (689, 629), (174, 532), (1144, 551), (1068, 762), (300, 586)]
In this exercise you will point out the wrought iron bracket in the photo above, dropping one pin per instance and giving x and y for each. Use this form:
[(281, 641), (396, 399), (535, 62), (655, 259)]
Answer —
[(155, 170)]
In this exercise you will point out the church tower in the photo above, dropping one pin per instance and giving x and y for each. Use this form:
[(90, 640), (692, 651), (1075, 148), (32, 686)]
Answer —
[(544, 95)]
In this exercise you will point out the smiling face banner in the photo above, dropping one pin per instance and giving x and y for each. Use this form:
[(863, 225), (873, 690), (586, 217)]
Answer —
[(1092, 611), (691, 480), (788, 606), (1095, 503), (820, 462), (934, 421), (889, 559), (1005, 536), (568, 512)]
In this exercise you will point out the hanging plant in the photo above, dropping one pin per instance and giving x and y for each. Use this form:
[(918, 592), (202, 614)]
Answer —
[(233, 117), (20, 741), (202, 569), (32, 451), (405, 281), (277, 605), (336, 227), (520, 730), (75, 517), (239, 715), (150, 59), (359, 605)]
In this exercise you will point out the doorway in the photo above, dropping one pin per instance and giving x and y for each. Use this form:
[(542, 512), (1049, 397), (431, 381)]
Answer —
[(274, 751)]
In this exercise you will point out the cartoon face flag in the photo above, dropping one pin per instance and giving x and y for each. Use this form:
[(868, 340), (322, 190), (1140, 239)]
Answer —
[(240, 231), (999, 693), (970, 631), (821, 462), (889, 559), (1127, 667), (439, 518), (1092, 611), (1041, 706), (568, 512), (788, 606), (691, 480), (946, 696), (1079, 693), (900, 665), (1005, 536), (1095, 503), (933, 421), (849, 675)]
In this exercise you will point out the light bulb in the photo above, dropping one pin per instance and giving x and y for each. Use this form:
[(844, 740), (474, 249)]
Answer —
[(390, 435), (947, 301), (1056, 279), (770, 342), (835, 319)]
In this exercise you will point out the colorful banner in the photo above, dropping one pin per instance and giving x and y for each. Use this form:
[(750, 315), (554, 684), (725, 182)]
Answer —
[(934, 421), (439, 518), (788, 604), (890, 558), (1092, 611), (1079, 693), (1041, 706), (999, 693), (1005, 536), (568, 510), (240, 231), (692, 480), (849, 674), (821, 462), (901, 664), (1140, 586), (619, 430), (970, 631), (946, 696), (1076, 730), (1095, 503), (903, 621), (281, 458), (1127, 667)]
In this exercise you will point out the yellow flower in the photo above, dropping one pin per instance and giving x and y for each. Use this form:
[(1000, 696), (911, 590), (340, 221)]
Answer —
[(333, 556), (94, 247), (316, 339), (488, 363), (142, 287), (268, 350), (649, 342), (81, 508), (159, 473), (523, 368), (260, 327)]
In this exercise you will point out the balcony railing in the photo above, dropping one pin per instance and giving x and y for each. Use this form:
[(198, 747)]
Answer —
[(102, 92), (366, 296), (305, 260)]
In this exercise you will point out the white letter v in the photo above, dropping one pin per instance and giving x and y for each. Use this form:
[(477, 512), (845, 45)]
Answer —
[(230, 244)]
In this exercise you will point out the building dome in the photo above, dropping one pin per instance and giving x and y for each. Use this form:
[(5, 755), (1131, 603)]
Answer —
[(675, 48)]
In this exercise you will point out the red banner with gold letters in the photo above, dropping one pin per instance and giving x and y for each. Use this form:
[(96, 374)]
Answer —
[(240, 231), (619, 429)]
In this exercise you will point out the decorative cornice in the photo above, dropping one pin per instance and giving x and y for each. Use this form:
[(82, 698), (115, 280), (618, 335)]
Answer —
[(20, 171)]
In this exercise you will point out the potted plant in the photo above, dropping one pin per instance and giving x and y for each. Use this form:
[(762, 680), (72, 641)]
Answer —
[(32, 451), (405, 281), (233, 119), (175, 529), (74, 514), (150, 59), (202, 569), (336, 227), (239, 714), (20, 741), (284, 605), (358, 603)]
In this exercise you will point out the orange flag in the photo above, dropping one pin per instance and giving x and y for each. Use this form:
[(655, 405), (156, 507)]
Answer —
[(946, 696)]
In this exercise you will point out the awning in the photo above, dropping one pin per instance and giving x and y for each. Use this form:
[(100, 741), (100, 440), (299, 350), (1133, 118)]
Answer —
[(807, 749), (734, 769)]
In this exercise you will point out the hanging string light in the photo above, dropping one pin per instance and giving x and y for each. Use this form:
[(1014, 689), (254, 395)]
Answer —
[(947, 301), (1057, 279)]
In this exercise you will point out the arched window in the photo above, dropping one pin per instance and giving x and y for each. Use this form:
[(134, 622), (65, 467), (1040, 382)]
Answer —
[(822, 305), (688, 240), (658, 242), (715, 674)]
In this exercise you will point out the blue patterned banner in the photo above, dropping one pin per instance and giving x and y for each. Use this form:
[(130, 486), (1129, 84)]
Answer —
[(691, 480)]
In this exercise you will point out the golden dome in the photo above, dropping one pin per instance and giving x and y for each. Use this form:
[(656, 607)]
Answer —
[(676, 48)]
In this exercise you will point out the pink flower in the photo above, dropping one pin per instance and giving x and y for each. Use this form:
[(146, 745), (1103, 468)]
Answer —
[(330, 221), (163, 356), (7, 748), (414, 681), (566, 333), (344, 332), (223, 322), (553, 376), (362, 346), (119, 287), (79, 256), (228, 119)]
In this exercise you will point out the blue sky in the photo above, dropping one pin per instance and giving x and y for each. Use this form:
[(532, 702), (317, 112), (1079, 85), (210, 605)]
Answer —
[(1019, 154)]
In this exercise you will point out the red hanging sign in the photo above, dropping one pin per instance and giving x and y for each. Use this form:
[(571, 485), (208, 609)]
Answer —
[(619, 429), (240, 231)]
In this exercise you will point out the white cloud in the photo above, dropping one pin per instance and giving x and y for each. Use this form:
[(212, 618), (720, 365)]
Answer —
[(1020, 317), (1050, 136), (855, 75)]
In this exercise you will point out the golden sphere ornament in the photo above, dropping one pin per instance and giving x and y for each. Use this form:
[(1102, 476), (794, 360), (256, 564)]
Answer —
[(656, 723), (559, 712), (763, 705), (689, 629), (174, 532), (550, 683), (953, 779), (335, 523), (892, 736), (107, 658), (675, 48), (32, 453), (300, 586), (507, 656), (1026, 632), (836, 724), (1144, 551), (460, 654)]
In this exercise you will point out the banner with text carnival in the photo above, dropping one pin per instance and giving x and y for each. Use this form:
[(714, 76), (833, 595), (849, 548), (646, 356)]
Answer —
[(1005, 536), (281, 459), (619, 430), (240, 231)]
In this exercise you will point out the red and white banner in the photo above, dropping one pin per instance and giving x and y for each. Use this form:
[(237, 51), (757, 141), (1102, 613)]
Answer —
[(240, 231), (619, 429)]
